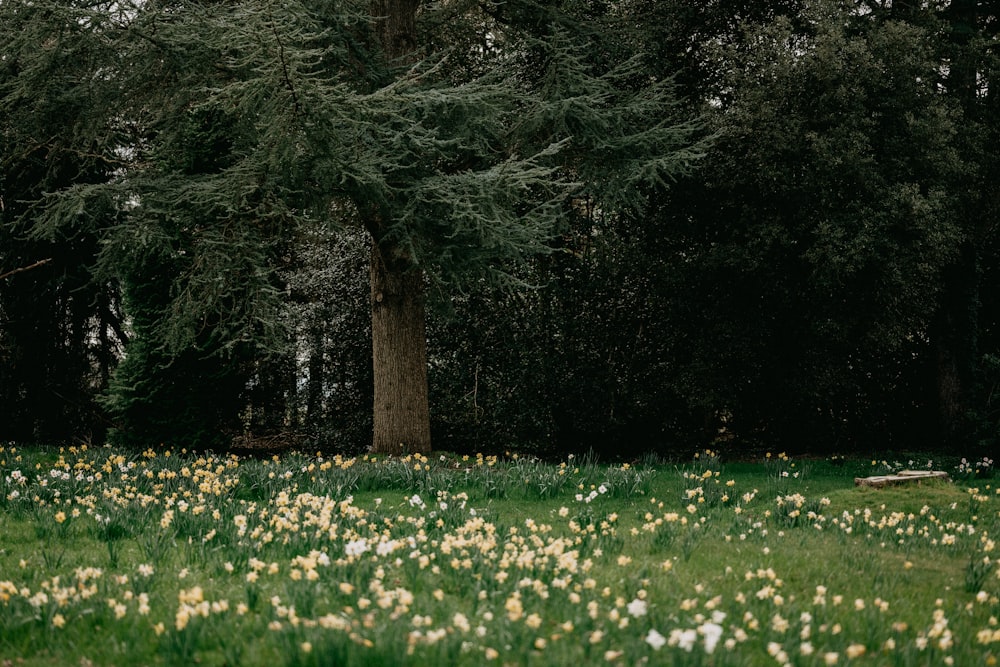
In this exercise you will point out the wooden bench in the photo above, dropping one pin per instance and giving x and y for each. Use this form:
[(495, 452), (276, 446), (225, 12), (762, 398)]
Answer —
[(901, 477)]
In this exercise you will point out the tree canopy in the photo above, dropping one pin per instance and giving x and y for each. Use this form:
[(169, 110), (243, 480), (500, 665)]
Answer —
[(631, 226)]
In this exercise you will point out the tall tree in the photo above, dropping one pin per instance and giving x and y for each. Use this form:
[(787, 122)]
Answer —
[(815, 245), (969, 82), (347, 112), (60, 325)]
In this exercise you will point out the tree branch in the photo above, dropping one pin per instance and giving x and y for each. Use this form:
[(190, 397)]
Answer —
[(25, 268), (284, 63)]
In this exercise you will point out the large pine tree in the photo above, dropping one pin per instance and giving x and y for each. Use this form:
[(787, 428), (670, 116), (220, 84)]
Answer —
[(242, 121)]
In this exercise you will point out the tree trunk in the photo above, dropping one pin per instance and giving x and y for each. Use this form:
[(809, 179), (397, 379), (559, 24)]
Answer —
[(314, 390), (955, 335), (401, 416), (950, 392), (396, 28), (399, 355)]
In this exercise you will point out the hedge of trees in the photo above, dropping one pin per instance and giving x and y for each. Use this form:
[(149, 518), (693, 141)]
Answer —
[(620, 226)]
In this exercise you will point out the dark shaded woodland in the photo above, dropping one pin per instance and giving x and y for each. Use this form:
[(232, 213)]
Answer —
[(620, 226)]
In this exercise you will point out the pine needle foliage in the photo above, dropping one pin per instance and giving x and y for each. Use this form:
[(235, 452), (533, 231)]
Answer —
[(235, 124), (255, 115)]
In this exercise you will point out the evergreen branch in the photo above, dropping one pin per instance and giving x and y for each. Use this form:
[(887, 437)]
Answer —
[(25, 268), (284, 62), (112, 320), (52, 144), (170, 49)]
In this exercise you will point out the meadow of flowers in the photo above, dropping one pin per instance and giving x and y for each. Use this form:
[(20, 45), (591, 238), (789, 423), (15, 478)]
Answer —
[(118, 557)]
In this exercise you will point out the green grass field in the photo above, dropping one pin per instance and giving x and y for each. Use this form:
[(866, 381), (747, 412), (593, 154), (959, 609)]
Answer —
[(111, 557)]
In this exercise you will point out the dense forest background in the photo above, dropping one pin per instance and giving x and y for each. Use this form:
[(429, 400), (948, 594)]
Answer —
[(805, 257)]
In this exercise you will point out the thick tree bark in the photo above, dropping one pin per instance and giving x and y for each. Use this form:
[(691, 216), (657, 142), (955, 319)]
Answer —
[(954, 332), (396, 28), (401, 416), (399, 355)]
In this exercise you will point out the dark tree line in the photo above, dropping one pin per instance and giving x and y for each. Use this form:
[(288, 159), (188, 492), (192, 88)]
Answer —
[(636, 226)]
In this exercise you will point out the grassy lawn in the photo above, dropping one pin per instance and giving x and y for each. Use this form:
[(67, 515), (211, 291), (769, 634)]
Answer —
[(112, 557)]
